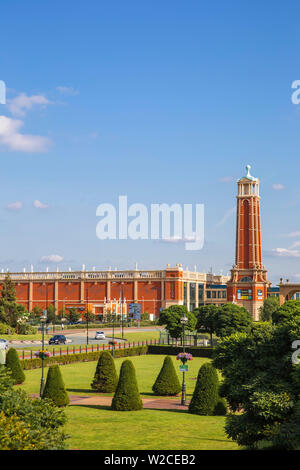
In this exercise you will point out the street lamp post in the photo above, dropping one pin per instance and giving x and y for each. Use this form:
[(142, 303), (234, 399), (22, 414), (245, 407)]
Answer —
[(183, 320), (43, 320), (113, 336)]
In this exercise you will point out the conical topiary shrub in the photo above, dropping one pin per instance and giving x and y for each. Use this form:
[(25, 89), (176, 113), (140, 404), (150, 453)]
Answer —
[(127, 396), (55, 387), (105, 378), (205, 396), (167, 382), (13, 363)]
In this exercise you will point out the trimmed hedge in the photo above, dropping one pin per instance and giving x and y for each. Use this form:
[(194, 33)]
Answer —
[(127, 395), (55, 388), (36, 363), (13, 363), (167, 382), (174, 350), (105, 378), (205, 396)]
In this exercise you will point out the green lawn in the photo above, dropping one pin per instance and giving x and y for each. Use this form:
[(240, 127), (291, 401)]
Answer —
[(78, 376), (97, 427)]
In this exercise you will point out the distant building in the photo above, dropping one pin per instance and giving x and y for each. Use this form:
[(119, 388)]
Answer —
[(103, 292)]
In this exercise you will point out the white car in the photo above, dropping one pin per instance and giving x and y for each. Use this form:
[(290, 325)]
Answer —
[(5, 342), (100, 335)]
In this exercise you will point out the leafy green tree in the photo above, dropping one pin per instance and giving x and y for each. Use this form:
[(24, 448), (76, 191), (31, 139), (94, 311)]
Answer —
[(8, 292), (10, 311), (170, 317), (127, 396), (36, 313), (55, 387), (270, 305), (232, 318), (34, 423), (167, 382), (206, 319), (72, 315), (287, 311), (51, 314), (89, 316), (105, 378), (205, 396), (14, 365), (262, 383)]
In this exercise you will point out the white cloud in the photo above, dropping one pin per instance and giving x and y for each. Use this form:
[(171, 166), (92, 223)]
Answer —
[(286, 252), (15, 206), (22, 103), (293, 234), (226, 216), (277, 186), (51, 259), (67, 90), (40, 205), (14, 140)]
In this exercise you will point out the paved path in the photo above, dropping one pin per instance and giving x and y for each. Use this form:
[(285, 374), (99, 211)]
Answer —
[(150, 403)]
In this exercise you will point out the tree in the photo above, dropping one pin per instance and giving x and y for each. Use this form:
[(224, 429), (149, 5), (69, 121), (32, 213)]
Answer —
[(10, 311), (232, 318), (287, 311), (167, 382), (36, 313), (105, 378), (89, 316), (127, 396), (206, 319), (205, 396), (270, 305), (170, 317), (73, 316), (8, 292), (14, 365), (262, 383), (28, 423), (51, 314), (55, 387)]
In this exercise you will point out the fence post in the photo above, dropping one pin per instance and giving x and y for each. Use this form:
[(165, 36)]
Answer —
[(73, 349), (23, 354), (67, 350), (53, 352), (80, 349), (60, 351), (86, 349), (92, 348), (103, 347), (97, 347), (30, 354)]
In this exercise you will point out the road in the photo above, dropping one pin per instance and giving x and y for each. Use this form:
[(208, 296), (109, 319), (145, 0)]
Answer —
[(79, 337)]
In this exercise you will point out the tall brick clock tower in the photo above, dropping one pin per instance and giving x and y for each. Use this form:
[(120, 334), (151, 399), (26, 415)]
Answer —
[(248, 283)]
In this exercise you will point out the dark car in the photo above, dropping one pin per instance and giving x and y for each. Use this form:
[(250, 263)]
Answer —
[(58, 339)]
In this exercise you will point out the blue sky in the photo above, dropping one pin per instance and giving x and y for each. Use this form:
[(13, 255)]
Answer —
[(164, 101)]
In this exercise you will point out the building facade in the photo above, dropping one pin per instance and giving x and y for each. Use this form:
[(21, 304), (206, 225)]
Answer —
[(105, 291)]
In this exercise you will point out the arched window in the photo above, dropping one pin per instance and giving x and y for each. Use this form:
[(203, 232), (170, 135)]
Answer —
[(246, 279)]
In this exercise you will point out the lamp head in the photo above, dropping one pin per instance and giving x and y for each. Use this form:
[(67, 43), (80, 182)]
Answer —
[(184, 320)]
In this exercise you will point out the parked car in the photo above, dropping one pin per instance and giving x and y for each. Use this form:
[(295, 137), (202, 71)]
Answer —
[(100, 335), (57, 339), (5, 342)]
